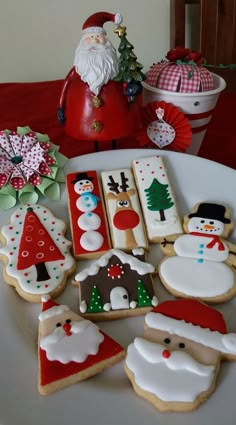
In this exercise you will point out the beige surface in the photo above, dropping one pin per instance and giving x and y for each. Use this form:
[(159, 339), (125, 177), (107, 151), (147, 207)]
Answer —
[(38, 38)]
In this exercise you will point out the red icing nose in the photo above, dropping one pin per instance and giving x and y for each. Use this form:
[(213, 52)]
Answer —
[(166, 354), (126, 219), (67, 329)]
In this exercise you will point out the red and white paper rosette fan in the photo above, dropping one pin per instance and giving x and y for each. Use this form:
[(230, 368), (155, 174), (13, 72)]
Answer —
[(164, 127)]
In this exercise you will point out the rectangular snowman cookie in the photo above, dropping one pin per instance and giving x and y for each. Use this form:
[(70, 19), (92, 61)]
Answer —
[(123, 210), (156, 197), (88, 221)]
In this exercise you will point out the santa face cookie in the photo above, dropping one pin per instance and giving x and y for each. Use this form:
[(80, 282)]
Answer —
[(156, 198), (71, 349), (175, 365), (199, 263), (89, 229), (116, 285), (123, 210), (36, 254)]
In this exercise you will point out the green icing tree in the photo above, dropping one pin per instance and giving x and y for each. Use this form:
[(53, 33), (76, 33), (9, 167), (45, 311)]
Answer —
[(144, 299), (158, 198), (95, 305), (129, 68)]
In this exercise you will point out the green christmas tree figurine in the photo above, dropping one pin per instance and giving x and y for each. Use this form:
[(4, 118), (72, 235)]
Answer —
[(158, 198), (95, 304), (143, 298), (129, 68)]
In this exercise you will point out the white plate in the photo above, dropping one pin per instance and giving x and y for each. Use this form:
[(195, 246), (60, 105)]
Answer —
[(108, 398)]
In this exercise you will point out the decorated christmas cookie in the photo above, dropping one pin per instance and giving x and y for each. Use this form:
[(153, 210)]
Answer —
[(123, 210), (176, 364), (116, 285), (71, 349), (200, 263), (87, 215), (36, 254), (156, 197)]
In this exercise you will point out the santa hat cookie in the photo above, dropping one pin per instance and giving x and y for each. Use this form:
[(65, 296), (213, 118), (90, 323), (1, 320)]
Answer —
[(70, 349), (193, 320), (95, 22)]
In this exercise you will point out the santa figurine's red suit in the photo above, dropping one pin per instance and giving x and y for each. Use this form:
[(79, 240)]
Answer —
[(93, 106)]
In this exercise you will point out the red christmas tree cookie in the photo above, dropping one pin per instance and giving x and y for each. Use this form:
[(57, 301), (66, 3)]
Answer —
[(70, 348), (36, 254)]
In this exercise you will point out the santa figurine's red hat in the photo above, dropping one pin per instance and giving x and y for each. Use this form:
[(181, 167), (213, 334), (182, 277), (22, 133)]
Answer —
[(194, 320), (95, 22), (50, 308)]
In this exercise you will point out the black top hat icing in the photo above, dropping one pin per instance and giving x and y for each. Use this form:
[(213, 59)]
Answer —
[(211, 211), (81, 176)]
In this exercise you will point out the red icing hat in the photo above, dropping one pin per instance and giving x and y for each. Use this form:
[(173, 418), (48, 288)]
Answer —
[(95, 22), (50, 308), (193, 320)]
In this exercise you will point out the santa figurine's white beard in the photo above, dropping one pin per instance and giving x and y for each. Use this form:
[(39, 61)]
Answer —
[(96, 64), (179, 378), (84, 339)]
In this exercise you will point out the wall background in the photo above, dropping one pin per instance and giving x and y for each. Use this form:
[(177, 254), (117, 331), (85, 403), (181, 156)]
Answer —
[(38, 38)]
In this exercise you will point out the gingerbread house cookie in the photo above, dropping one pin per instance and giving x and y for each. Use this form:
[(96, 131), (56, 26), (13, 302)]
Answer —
[(116, 285)]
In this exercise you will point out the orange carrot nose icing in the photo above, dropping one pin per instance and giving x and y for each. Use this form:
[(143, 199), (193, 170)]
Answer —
[(208, 227)]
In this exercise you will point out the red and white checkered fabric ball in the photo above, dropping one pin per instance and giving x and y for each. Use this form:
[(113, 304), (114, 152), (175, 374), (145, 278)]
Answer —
[(185, 78)]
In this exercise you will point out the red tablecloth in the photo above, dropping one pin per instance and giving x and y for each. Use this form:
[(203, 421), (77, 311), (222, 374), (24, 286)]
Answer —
[(35, 105)]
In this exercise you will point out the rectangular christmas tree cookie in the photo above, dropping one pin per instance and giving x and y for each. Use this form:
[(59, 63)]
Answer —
[(123, 210), (88, 221), (156, 197)]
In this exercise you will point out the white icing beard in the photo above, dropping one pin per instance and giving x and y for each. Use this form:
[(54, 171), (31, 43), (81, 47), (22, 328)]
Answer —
[(85, 340), (178, 378), (96, 64)]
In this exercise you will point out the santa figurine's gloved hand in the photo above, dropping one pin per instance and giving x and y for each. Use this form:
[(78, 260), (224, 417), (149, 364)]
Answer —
[(133, 89), (61, 115)]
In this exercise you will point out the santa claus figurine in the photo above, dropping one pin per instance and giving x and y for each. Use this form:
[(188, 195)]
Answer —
[(93, 106), (175, 365)]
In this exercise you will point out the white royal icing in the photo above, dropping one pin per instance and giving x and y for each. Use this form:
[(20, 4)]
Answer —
[(225, 343), (118, 236), (53, 311), (189, 277), (56, 269), (141, 267), (146, 170), (178, 378), (84, 341), (192, 246), (89, 221), (91, 240)]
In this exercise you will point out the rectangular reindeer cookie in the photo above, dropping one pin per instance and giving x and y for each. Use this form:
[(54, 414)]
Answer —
[(156, 197), (88, 221), (123, 210)]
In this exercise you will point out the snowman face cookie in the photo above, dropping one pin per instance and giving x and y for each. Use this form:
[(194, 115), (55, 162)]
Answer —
[(200, 263)]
